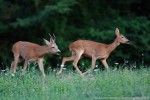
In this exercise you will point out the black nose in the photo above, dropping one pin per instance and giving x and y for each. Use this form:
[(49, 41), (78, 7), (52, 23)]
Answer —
[(59, 52), (128, 42)]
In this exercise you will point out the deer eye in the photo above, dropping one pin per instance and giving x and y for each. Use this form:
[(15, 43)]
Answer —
[(122, 37), (53, 47)]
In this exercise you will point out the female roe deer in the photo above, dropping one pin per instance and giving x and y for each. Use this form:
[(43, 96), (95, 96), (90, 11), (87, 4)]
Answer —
[(94, 50), (32, 52)]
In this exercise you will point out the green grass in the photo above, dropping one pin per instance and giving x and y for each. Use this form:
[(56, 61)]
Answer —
[(118, 84)]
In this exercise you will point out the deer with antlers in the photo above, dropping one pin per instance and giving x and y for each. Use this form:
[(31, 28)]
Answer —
[(32, 52), (94, 50)]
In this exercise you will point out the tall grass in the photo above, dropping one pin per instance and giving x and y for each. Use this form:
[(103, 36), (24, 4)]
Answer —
[(119, 84)]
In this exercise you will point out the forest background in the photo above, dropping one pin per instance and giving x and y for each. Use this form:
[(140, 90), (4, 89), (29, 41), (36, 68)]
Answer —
[(70, 20)]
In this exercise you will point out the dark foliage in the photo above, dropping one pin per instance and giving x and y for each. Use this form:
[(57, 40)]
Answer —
[(70, 20)]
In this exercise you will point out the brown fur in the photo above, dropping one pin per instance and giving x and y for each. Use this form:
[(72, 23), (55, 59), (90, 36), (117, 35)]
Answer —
[(93, 50), (32, 52)]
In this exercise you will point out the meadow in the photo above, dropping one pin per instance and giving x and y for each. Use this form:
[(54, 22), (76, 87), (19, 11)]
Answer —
[(116, 84)]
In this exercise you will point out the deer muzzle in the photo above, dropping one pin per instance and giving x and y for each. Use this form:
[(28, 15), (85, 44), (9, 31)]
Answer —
[(58, 52), (128, 42)]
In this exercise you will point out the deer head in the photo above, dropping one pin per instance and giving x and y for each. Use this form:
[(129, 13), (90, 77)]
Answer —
[(53, 48), (121, 38)]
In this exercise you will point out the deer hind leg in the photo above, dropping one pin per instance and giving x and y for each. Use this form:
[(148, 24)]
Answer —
[(14, 63), (75, 62), (66, 59), (24, 67)]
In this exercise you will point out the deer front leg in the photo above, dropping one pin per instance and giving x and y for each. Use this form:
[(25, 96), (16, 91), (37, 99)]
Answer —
[(40, 63), (105, 63), (24, 67), (93, 63), (92, 66)]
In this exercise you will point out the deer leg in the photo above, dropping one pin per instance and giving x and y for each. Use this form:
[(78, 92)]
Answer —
[(19, 60), (65, 59), (75, 62), (92, 66), (14, 63), (24, 67), (40, 63), (104, 63)]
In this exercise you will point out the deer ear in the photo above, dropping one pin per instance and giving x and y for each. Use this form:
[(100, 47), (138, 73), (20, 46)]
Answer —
[(117, 32), (46, 42)]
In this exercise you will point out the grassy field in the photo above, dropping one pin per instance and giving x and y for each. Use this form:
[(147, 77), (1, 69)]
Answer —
[(102, 85)]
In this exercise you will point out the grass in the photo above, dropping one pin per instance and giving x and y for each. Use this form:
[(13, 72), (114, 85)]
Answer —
[(102, 85)]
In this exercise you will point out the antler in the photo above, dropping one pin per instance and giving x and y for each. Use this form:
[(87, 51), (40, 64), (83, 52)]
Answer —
[(54, 37), (51, 38)]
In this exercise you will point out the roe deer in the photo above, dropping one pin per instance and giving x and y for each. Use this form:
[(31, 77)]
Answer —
[(94, 50), (32, 52)]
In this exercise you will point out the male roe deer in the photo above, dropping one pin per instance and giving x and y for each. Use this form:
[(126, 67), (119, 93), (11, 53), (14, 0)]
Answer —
[(32, 52), (94, 50)]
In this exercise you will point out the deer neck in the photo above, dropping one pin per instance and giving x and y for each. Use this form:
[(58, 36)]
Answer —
[(112, 46), (42, 50)]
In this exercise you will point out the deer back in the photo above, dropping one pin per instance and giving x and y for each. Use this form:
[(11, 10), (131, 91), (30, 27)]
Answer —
[(32, 51), (26, 49), (99, 50), (89, 47)]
